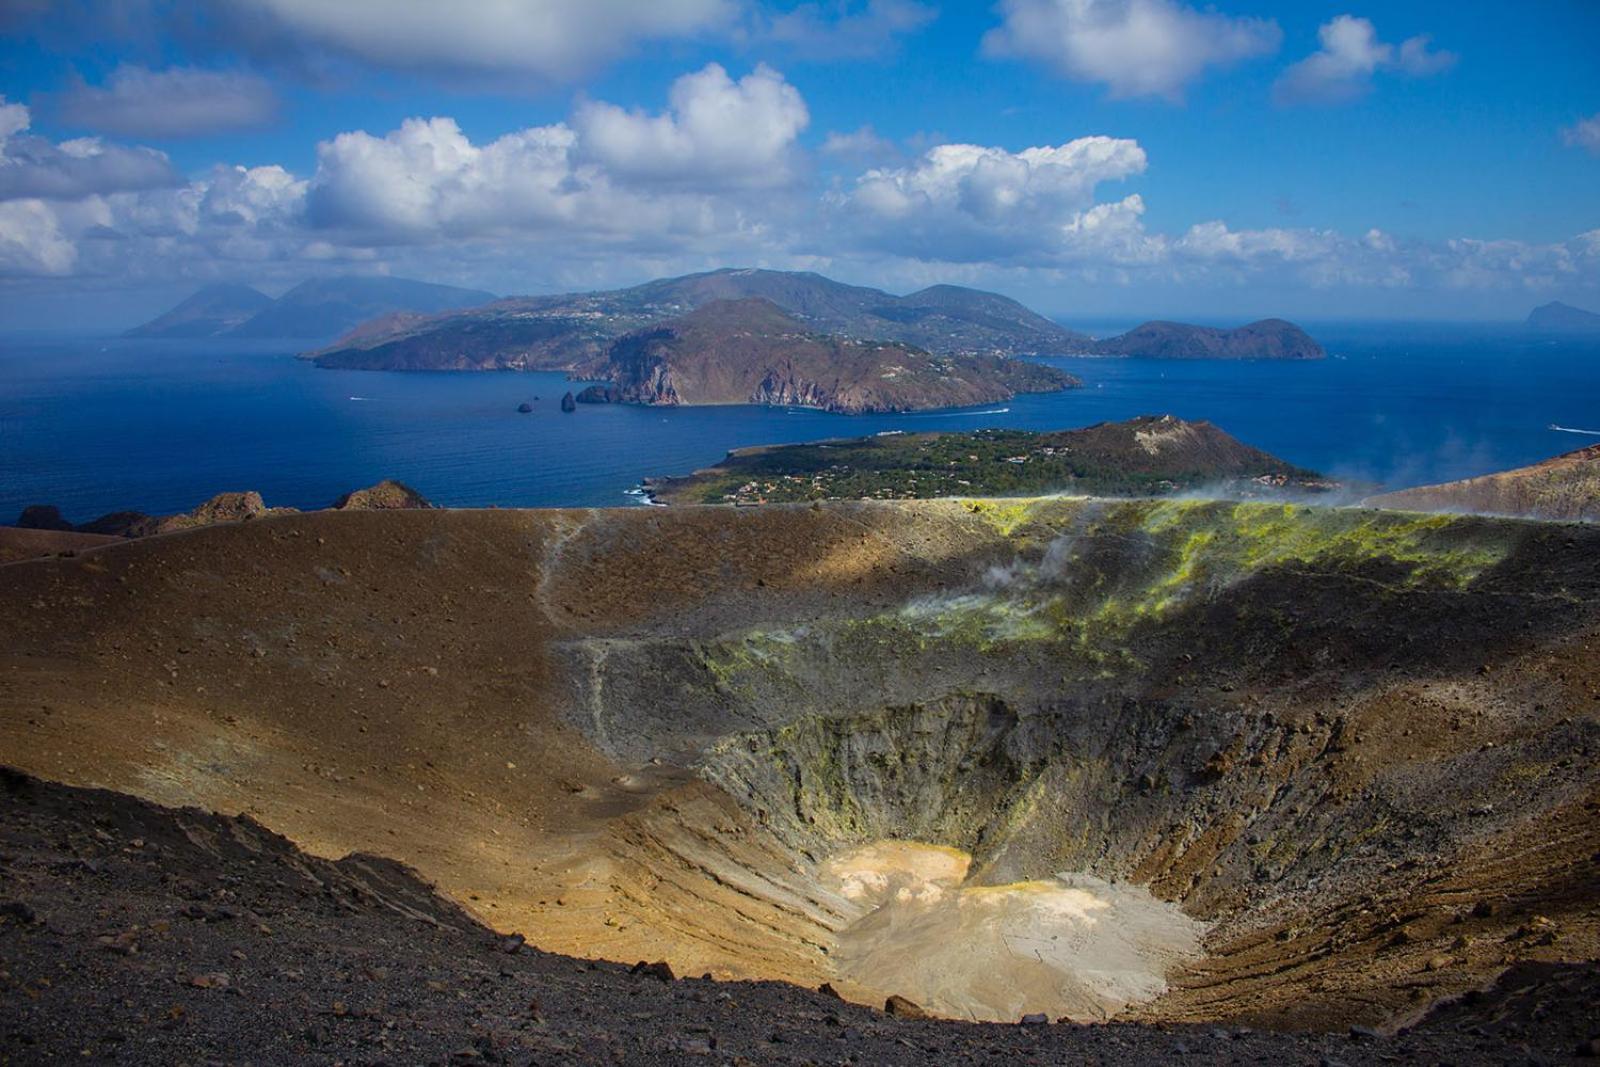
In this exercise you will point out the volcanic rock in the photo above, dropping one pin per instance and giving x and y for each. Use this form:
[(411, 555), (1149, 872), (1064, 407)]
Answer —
[(42, 517), (901, 1008), (387, 495)]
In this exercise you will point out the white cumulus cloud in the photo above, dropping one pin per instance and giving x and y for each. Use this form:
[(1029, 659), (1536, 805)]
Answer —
[(427, 176), (964, 202), (1133, 47), (1351, 54), (716, 131), (177, 102), (609, 175)]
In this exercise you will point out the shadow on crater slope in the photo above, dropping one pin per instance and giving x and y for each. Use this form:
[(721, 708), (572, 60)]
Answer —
[(1298, 767)]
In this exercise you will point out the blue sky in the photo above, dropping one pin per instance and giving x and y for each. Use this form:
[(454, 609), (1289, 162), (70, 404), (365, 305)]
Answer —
[(1096, 158)]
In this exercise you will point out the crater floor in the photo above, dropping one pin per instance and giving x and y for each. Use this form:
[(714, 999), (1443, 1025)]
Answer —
[(1068, 946)]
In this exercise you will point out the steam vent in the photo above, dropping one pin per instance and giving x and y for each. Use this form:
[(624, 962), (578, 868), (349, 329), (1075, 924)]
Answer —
[(1257, 767)]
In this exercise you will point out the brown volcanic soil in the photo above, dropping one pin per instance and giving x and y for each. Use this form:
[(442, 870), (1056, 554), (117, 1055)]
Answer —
[(1361, 745), (141, 934), (1566, 488), (17, 543)]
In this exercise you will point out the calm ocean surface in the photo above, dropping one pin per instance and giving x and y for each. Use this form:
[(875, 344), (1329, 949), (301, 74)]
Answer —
[(97, 425)]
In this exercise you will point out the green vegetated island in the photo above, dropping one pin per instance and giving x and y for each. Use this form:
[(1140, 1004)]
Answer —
[(1151, 455)]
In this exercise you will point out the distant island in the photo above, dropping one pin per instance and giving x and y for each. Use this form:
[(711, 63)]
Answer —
[(574, 332), (315, 310), (211, 311), (1150, 455), (1565, 488), (1266, 339), (1556, 317), (751, 351)]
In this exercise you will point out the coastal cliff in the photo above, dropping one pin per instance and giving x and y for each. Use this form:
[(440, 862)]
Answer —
[(753, 352)]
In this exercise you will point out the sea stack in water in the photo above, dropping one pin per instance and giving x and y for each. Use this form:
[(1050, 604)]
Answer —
[(524, 408), (568, 404)]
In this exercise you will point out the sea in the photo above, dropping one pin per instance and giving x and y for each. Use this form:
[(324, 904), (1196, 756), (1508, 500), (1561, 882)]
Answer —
[(100, 424)]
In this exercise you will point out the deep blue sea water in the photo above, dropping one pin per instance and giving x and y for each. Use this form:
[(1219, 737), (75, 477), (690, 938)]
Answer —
[(96, 424)]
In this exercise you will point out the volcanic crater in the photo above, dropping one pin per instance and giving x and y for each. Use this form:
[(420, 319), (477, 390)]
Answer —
[(1162, 761)]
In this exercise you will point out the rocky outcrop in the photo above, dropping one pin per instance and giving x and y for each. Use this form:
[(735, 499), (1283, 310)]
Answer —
[(112, 524), (122, 524), (569, 403), (1565, 488), (387, 495), (42, 517), (1266, 339), (600, 394), (224, 507)]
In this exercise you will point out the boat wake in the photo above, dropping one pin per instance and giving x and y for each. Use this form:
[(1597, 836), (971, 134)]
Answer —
[(958, 414), (1569, 429)]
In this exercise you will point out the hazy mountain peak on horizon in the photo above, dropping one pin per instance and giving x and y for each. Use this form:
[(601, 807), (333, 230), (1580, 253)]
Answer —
[(210, 310), (1559, 317), (316, 309)]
